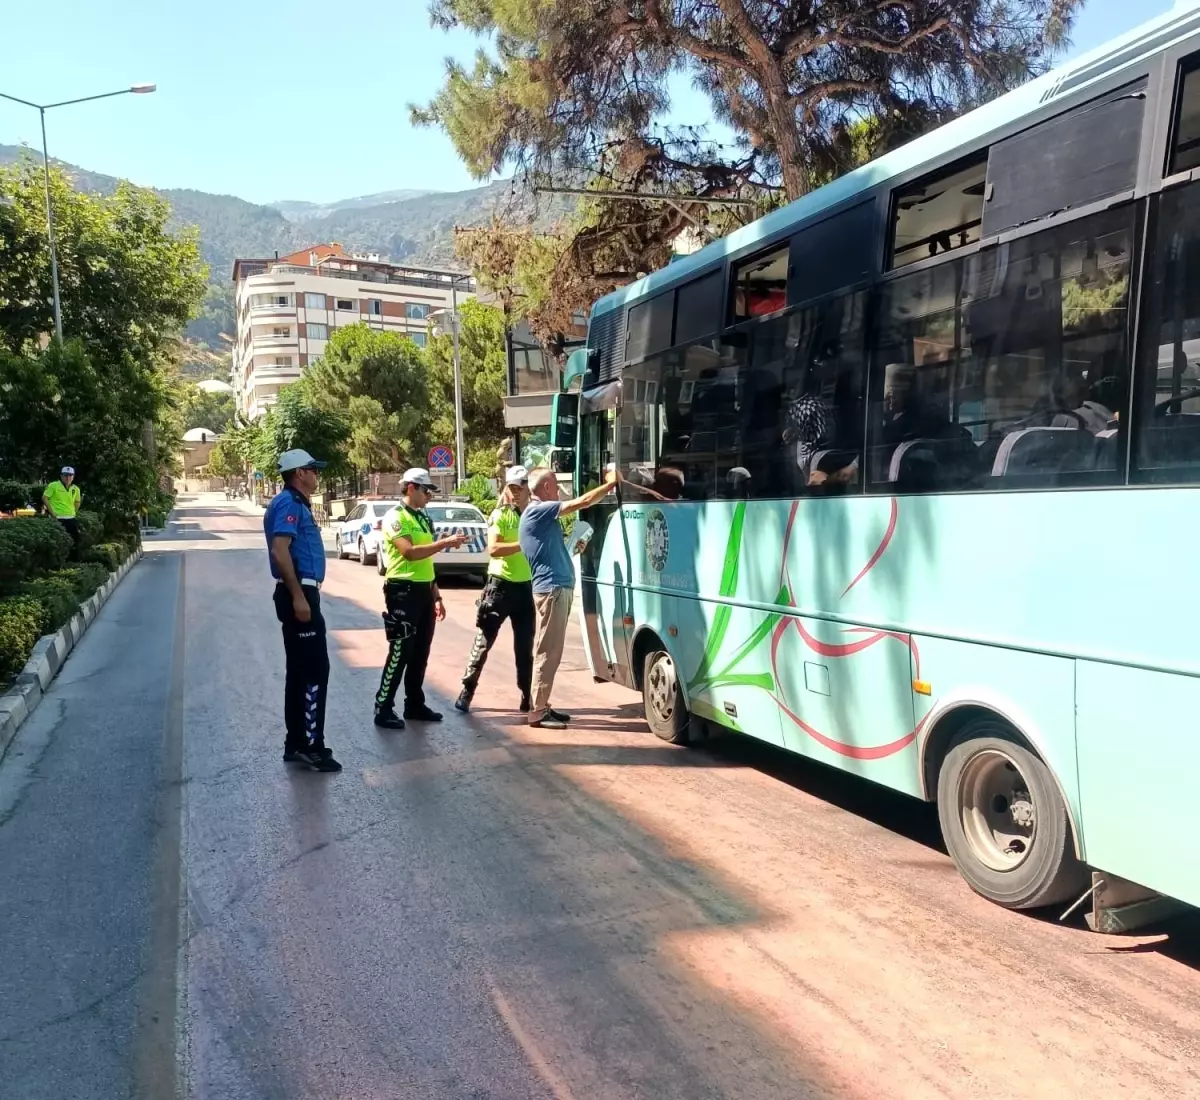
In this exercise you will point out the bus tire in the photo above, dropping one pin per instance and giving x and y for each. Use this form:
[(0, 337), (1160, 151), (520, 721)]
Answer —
[(662, 697), (1004, 822)]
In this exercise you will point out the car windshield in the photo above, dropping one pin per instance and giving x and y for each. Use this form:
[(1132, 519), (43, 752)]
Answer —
[(384, 508), (455, 513)]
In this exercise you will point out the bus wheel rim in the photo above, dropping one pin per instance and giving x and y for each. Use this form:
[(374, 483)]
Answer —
[(998, 814), (662, 688)]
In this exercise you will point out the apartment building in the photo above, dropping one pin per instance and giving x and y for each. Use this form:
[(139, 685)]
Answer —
[(288, 306)]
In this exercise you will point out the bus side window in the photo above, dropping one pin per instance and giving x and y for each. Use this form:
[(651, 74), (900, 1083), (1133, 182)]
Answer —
[(1168, 431), (805, 394), (1006, 370)]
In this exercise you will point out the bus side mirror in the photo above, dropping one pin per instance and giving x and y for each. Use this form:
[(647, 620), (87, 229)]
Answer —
[(577, 364)]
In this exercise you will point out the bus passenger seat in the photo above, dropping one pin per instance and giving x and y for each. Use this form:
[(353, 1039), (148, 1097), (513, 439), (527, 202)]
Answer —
[(1032, 454)]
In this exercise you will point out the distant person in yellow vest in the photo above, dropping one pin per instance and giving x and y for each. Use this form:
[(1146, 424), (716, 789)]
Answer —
[(413, 602), (61, 500)]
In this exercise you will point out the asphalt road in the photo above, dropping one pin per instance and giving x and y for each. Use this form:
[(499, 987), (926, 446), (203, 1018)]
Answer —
[(477, 909)]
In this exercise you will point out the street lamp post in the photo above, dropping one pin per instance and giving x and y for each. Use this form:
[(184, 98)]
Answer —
[(42, 108), (459, 445)]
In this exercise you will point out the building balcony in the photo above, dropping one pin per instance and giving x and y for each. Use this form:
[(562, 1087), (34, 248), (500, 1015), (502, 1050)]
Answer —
[(269, 340), (259, 311)]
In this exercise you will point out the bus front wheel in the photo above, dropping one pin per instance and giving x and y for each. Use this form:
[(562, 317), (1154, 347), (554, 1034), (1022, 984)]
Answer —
[(1004, 822), (666, 711)]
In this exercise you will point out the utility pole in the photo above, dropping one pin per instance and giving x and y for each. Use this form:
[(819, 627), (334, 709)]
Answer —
[(42, 108)]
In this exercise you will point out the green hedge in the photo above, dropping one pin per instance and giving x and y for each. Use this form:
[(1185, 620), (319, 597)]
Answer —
[(108, 554), (29, 547), (91, 528), (22, 623), (57, 596), (19, 494), (85, 579)]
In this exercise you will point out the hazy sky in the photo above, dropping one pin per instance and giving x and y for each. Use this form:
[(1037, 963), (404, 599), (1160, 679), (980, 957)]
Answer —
[(295, 100)]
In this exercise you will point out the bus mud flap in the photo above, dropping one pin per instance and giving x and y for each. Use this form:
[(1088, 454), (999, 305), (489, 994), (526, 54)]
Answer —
[(1122, 906)]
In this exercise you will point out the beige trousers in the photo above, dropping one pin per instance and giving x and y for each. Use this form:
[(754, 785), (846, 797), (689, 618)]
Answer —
[(553, 613)]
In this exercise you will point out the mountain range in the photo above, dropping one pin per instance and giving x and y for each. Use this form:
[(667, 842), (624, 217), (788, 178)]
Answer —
[(403, 226)]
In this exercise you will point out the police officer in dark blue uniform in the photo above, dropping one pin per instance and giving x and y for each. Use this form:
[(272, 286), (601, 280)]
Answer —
[(297, 555)]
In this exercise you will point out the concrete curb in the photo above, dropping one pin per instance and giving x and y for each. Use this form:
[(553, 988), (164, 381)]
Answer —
[(49, 655)]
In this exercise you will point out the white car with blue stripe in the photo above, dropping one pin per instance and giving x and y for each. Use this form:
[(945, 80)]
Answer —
[(457, 518), (358, 533)]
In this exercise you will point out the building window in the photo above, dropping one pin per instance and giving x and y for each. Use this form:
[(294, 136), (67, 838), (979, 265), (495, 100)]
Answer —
[(281, 331), (283, 360), (417, 338), (416, 311), (314, 301), (317, 332), (272, 300), (345, 304), (375, 307)]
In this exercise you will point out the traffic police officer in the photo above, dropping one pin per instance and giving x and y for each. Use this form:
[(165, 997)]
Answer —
[(61, 499), (507, 595), (297, 556), (412, 599)]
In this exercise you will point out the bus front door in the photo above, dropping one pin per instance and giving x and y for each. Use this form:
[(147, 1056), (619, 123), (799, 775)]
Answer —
[(604, 593)]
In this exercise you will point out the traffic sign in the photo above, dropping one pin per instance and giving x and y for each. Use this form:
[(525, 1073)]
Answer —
[(441, 458)]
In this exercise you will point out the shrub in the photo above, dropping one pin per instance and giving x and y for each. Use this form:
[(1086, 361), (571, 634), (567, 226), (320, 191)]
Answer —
[(108, 554), (478, 491), (22, 623), (29, 547), (18, 494), (84, 579), (56, 594), (91, 529)]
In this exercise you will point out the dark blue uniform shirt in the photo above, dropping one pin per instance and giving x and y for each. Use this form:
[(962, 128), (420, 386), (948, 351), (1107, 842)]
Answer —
[(289, 514)]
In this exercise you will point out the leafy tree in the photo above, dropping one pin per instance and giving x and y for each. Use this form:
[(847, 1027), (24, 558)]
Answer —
[(200, 409), (62, 406), (484, 366), (294, 422), (577, 91), (381, 381), (127, 285)]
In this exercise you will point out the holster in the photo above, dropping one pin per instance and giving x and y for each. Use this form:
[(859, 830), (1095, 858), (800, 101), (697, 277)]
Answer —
[(488, 603), (396, 626)]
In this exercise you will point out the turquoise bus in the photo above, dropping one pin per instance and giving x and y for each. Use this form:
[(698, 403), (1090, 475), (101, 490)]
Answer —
[(912, 468)]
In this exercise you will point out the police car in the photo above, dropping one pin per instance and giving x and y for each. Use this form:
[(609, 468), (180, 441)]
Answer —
[(454, 517), (358, 533)]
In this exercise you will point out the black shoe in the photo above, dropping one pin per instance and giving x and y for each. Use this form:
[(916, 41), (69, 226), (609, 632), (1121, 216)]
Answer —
[(463, 702), (549, 722), (526, 703), (293, 756), (559, 715), (320, 760), (388, 719), (422, 714)]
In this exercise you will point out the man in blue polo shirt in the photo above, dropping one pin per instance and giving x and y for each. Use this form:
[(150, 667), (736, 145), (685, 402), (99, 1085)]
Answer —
[(297, 556)]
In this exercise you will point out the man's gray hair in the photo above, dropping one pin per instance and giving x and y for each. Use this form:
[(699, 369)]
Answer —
[(539, 474)]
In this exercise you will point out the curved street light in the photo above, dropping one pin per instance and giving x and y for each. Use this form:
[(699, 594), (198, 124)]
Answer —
[(42, 108)]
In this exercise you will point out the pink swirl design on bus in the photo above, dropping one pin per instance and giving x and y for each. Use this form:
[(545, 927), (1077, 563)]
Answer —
[(840, 650), (880, 550)]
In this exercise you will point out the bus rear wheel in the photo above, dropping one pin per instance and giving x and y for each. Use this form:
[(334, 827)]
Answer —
[(666, 711), (1004, 822)]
